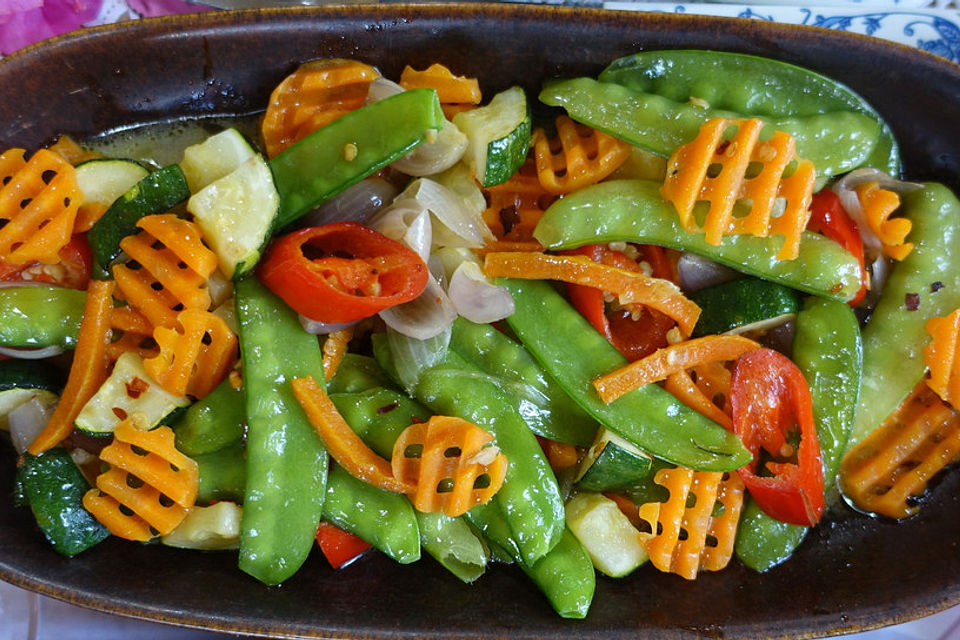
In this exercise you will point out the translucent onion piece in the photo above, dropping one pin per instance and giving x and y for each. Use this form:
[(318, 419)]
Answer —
[(476, 298), (406, 221), (459, 179), (412, 356), (426, 316), (382, 88), (27, 420), (29, 353), (356, 203), (697, 272), (318, 328), (846, 190), (455, 224)]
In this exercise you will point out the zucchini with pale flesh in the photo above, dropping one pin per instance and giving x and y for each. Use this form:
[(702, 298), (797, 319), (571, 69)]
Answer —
[(612, 463), (215, 157), (498, 136), (103, 180), (611, 540)]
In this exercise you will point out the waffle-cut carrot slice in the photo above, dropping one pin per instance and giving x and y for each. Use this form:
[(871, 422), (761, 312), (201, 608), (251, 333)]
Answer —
[(941, 359), (694, 394), (311, 97), (341, 441), (89, 367), (685, 534), (334, 348), (184, 239), (578, 156), (132, 332), (195, 357), (69, 150), (453, 464), (888, 472), (878, 205), (630, 287), (671, 359), (723, 170), (39, 199), (450, 88), (149, 487), (515, 207)]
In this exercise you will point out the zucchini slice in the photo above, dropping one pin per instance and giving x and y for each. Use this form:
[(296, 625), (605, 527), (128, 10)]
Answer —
[(236, 213), (498, 136), (127, 391), (611, 541), (103, 180), (744, 304), (612, 463), (214, 158)]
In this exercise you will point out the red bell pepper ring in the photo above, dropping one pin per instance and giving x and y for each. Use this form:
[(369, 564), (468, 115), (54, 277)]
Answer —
[(342, 272), (770, 399), (73, 270), (634, 338), (339, 547), (828, 217)]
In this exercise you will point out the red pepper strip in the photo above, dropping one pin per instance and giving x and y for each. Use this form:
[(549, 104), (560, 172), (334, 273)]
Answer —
[(342, 272), (634, 337), (339, 547), (72, 271), (828, 217), (770, 398)]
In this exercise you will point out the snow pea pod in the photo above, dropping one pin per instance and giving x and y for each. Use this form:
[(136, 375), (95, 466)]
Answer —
[(924, 286), (213, 422), (223, 474), (634, 211), (40, 316), (829, 351), (286, 461), (834, 142), (386, 520), (750, 85), (571, 350)]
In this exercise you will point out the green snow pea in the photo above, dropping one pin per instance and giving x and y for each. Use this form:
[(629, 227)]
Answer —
[(286, 461), (40, 316), (634, 211), (750, 85), (213, 422), (358, 373), (544, 405), (384, 519), (925, 285), (346, 151), (834, 142), (223, 474), (575, 353), (829, 350)]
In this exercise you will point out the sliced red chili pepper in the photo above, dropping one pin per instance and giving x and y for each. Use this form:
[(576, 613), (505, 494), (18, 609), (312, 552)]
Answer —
[(771, 401), (339, 547), (342, 272), (633, 335), (72, 271), (828, 217)]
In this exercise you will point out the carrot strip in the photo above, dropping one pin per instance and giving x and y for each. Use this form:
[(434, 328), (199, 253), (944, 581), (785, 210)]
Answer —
[(685, 539), (940, 357), (682, 386), (577, 157), (38, 205), (560, 455), (878, 205), (691, 177), (89, 368), (452, 464), (516, 206), (311, 97), (334, 348), (194, 358), (450, 89), (671, 359), (341, 441), (631, 287), (888, 472)]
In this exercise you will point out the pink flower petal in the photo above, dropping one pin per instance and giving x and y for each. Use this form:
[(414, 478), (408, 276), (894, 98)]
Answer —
[(149, 8), (52, 18)]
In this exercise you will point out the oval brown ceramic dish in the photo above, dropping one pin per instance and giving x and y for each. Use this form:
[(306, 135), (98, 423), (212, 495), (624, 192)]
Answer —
[(852, 573)]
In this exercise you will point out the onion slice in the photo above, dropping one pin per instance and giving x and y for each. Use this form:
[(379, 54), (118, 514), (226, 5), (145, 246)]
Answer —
[(846, 190), (31, 353), (356, 203), (406, 221), (412, 356), (27, 420), (697, 272), (454, 223), (475, 297), (426, 316)]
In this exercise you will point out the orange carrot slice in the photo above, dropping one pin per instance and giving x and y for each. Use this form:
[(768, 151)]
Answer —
[(715, 168), (578, 156), (700, 394), (132, 332), (452, 463), (878, 205), (515, 207), (888, 472), (89, 367), (631, 287), (458, 92), (334, 348), (940, 357)]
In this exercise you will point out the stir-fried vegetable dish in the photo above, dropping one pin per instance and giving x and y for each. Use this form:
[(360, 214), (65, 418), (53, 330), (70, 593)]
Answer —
[(674, 319)]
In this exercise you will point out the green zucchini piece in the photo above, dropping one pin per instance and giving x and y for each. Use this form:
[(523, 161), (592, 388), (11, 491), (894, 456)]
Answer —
[(611, 540), (612, 463), (208, 528), (215, 157), (128, 392), (498, 136), (742, 305), (237, 213), (53, 486), (160, 191), (103, 180)]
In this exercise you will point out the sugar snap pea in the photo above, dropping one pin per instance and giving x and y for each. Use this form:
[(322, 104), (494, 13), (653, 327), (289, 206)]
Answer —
[(633, 211)]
